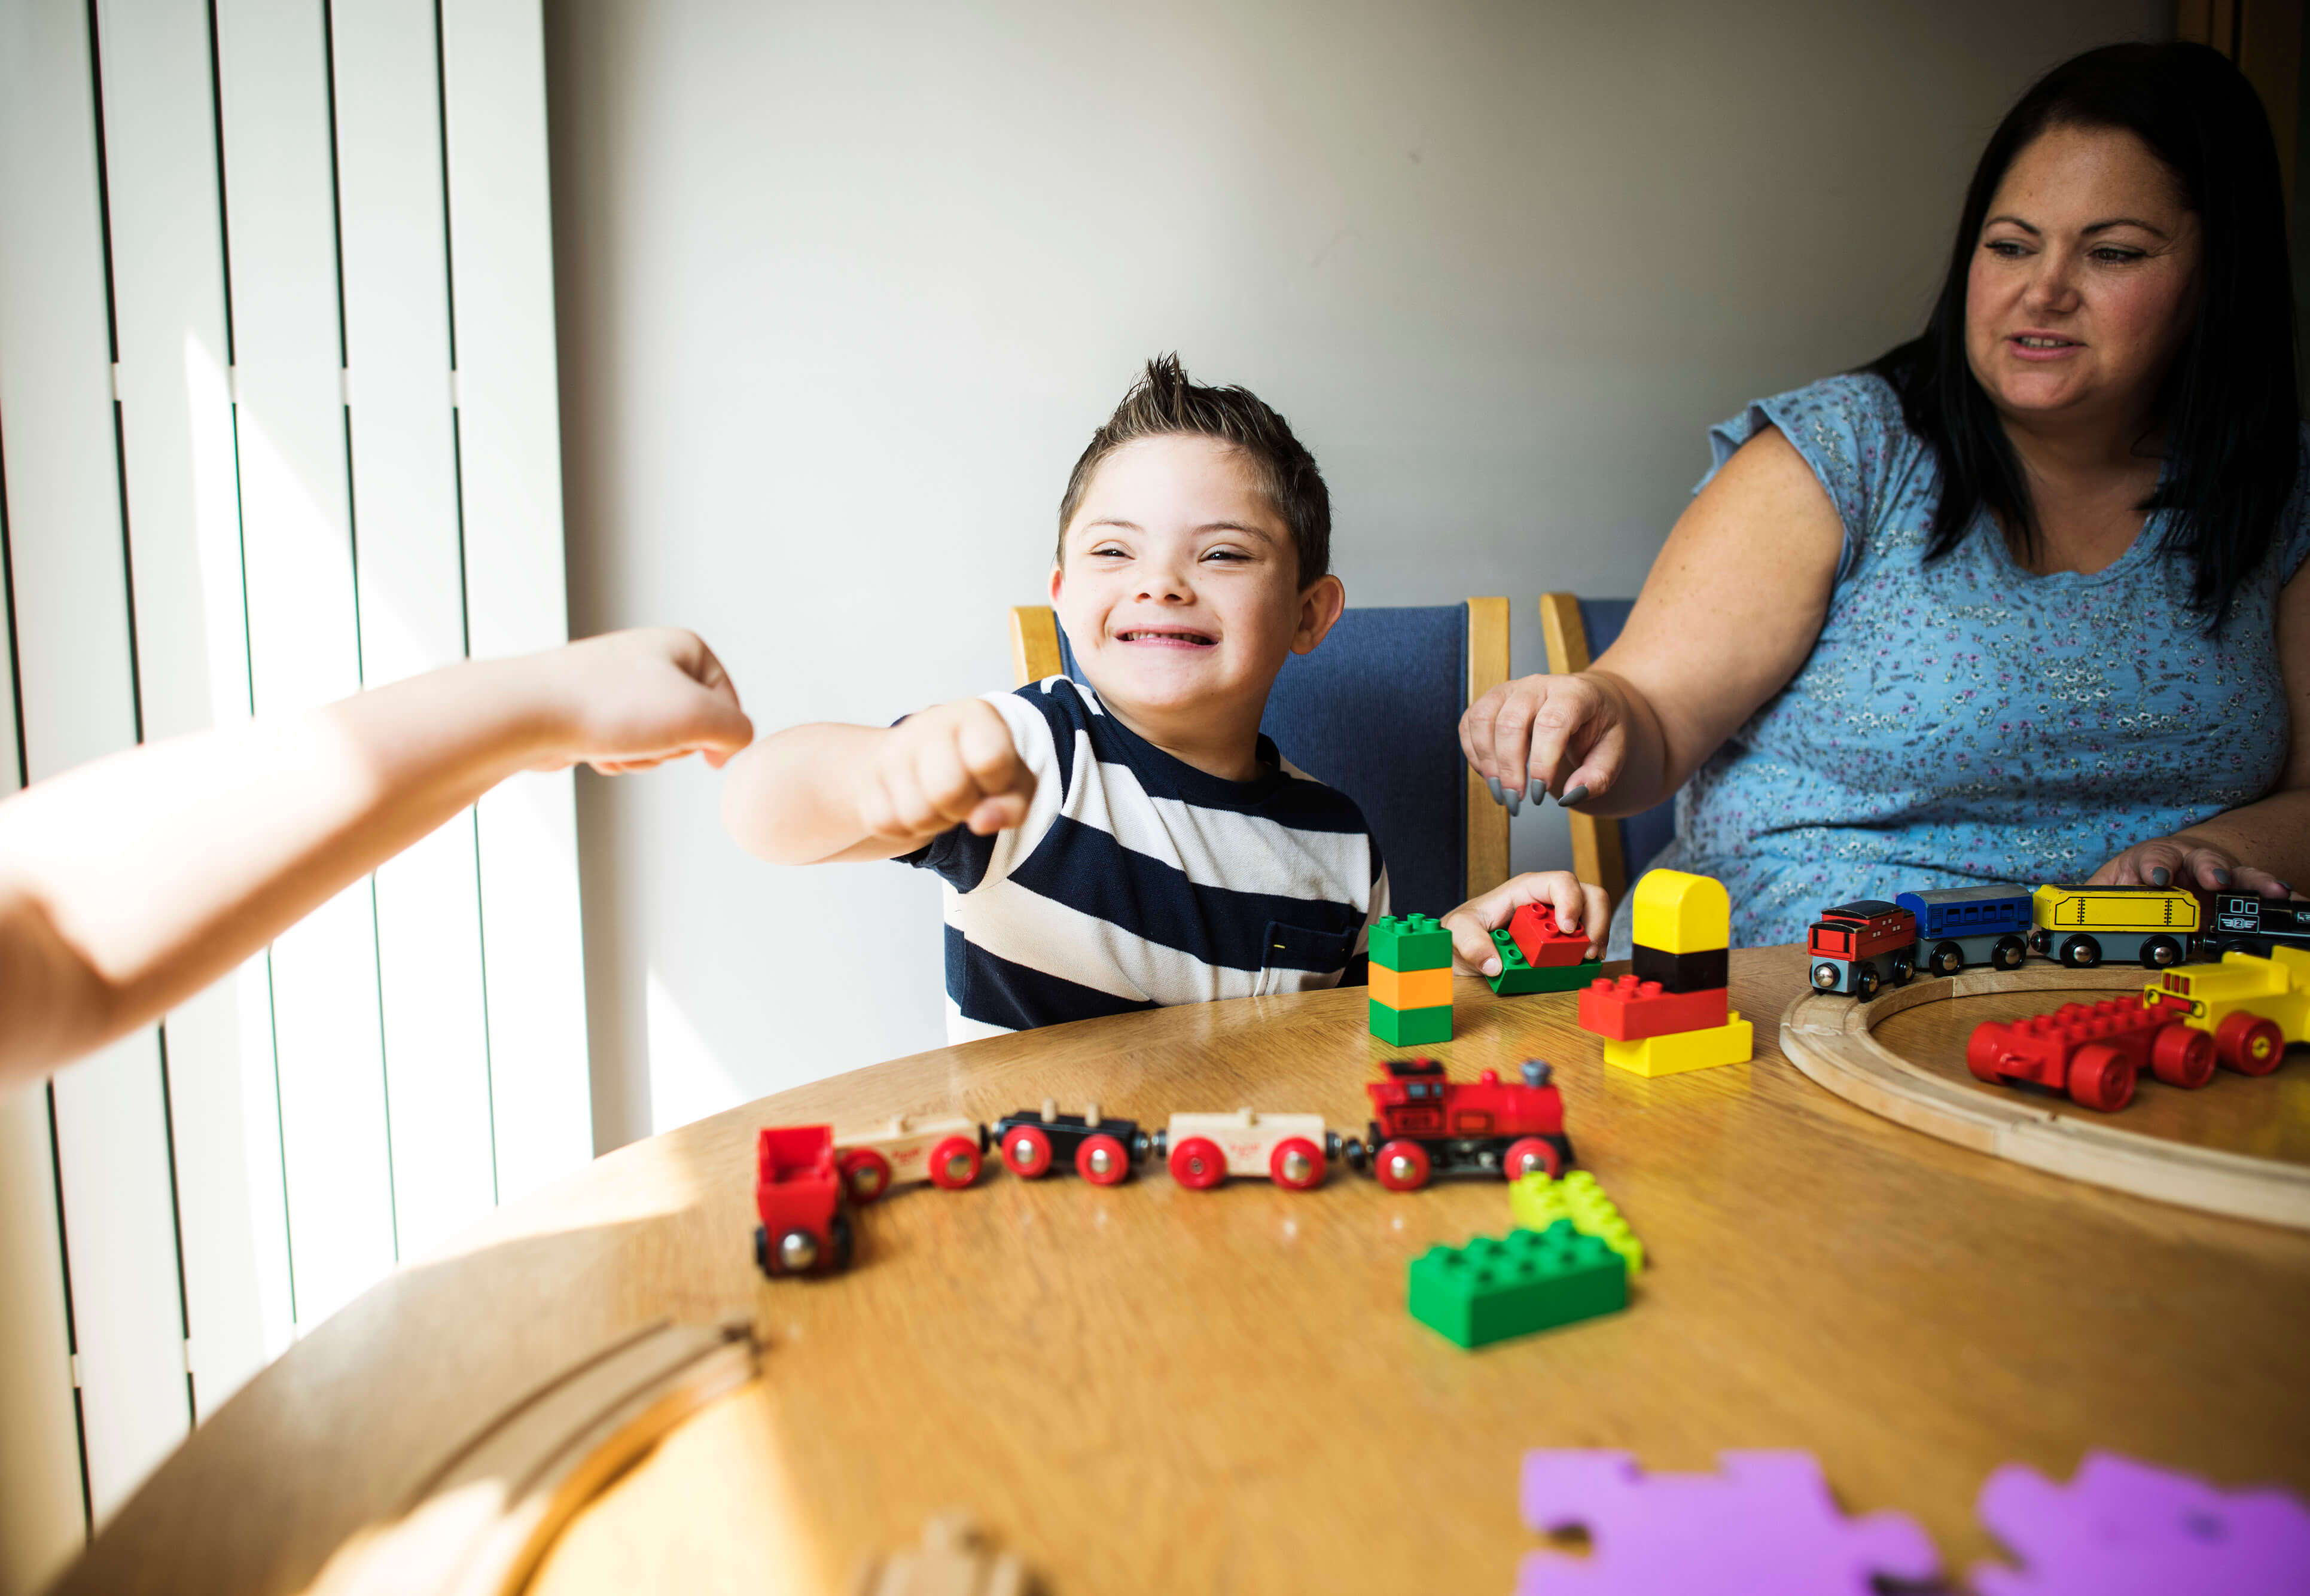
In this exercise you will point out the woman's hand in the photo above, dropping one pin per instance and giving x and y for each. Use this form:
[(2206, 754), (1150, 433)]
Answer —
[(2184, 861), (1575, 902), (1538, 735)]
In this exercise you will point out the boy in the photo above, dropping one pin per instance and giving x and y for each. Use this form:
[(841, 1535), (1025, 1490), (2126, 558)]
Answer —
[(1136, 844)]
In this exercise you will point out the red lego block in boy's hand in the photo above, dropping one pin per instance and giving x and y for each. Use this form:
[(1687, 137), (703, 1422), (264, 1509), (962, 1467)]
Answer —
[(1628, 1010), (1532, 929)]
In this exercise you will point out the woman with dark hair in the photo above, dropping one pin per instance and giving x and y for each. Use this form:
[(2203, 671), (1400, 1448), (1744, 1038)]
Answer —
[(2017, 602)]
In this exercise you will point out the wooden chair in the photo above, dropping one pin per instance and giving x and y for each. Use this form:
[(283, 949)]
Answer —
[(1578, 630), (1376, 713)]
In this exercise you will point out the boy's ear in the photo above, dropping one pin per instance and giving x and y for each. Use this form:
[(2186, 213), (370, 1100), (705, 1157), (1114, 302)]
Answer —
[(1319, 611), (1058, 575)]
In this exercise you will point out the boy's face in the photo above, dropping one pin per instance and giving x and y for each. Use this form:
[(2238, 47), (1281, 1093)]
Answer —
[(1180, 587)]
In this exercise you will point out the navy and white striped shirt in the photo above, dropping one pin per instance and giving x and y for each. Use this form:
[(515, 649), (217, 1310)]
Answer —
[(1138, 881)]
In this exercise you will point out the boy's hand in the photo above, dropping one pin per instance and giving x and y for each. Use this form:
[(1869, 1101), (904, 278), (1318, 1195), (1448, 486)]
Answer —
[(954, 764), (1576, 904), (631, 700)]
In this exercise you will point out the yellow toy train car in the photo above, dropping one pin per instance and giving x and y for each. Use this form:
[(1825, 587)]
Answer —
[(2082, 926), (2254, 1007)]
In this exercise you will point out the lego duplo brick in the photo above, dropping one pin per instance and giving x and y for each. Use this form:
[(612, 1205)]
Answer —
[(1678, 912), (1411, 989), (1544, 945), (1410, 1027), (1518, 978), (1628, 1010), (1731, 1043), (1491, 1289), (1535, 1202), (1681, 972), (1411, 942), (2123, 1526)]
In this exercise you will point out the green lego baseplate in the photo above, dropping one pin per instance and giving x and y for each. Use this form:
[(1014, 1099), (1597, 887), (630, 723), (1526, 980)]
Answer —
[(1533, 1279), (1411, 942), (1410, 1027), (1536, 1202), (1519, 979)]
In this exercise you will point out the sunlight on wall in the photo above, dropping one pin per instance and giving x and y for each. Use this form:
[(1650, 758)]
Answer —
[(686, 1080)]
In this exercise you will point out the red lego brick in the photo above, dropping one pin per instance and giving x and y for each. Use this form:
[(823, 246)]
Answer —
[(2093, 1053), (1629, 1010), (1534, 930)]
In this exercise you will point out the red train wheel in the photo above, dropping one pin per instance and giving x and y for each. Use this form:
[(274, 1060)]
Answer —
[(1101, 1160), (955, 1163), (1298, 1163), (2100, 1078), (1027, 1153), (2183, 1055), (1529, 1154), (1402, 1165), (1986, 1051), (1197, 1164), (865, 1172), (2249, 1044)]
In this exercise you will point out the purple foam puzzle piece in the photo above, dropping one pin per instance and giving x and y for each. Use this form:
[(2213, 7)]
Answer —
[(2122, 1528), (1766, 1522)]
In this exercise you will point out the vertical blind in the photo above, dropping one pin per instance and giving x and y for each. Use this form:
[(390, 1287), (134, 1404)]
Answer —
[(278, 421)]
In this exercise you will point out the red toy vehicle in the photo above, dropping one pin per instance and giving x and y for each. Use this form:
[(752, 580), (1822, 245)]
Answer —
[(1858, 947), (798, 1191), (1427, 1125), (2093, 1053)]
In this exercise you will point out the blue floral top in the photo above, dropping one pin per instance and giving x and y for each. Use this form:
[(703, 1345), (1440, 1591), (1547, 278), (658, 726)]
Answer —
[(1967, 721)]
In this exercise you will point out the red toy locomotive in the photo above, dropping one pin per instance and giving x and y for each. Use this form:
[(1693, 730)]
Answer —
[(1429, 1125), (1858, 947)]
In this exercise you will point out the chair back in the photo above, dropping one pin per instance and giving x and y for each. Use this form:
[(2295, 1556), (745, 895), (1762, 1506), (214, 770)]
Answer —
[(1608, 853)]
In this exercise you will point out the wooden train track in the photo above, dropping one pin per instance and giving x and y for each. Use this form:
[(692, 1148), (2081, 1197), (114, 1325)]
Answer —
[(1832, 1040)]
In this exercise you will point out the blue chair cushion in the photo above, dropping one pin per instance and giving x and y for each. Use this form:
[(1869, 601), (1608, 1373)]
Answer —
[(1642, 836)]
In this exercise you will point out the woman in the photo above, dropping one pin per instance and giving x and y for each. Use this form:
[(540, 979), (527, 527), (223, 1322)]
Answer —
[(2019, 601)]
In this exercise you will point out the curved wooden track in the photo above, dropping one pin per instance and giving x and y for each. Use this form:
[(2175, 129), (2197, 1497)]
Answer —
[(1833, 1040)]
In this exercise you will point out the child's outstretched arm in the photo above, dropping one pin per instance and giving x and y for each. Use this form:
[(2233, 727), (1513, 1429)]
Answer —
[(129, 883), (826, 794), (1576, 904)]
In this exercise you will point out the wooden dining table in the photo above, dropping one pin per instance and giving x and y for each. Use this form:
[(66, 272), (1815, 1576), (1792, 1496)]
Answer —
[(1144, 1386)]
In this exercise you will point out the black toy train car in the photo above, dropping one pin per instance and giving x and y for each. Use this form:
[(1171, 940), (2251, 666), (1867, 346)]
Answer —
[(2249, 922), (1103, 1152)]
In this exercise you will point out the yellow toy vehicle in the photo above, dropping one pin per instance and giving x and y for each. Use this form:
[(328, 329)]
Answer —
[(2081, 927), (2254, 1007)]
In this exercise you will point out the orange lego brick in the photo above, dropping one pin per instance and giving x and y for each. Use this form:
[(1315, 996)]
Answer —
[(1411, 989)]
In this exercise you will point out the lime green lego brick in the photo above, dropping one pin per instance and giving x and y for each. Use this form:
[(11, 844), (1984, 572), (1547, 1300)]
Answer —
[(1519, 979), (1411, 942), (1489, 1290), (1536, 1202), (1410, 1027)]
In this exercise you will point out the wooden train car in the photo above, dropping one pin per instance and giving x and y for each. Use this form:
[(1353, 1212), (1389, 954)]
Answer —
[(1959, 926), (798, 1195), (1103, 1152), (1427, 1125), (1858, 947), (2085, 926), (1291, 1149), (2249, 922), (2253, 1008), (947, 1152)]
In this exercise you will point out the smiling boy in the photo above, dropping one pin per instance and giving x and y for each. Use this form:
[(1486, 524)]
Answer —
[(1136, 843)]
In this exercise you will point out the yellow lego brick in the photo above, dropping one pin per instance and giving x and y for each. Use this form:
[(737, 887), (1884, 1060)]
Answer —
[(1679, 913), (1731, 1043), (1411, 989), (1536, 1202)]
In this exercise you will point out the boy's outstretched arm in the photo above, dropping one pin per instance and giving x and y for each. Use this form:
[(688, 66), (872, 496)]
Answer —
[(828, 793), (129, 883), (1576, 903)]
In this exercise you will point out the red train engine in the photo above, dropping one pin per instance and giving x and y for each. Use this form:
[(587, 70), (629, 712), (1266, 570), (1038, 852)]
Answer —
[(799, 1195), (1859, 947), (1429, 1126)]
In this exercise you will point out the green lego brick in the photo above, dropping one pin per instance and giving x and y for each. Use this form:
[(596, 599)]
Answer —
[(1519, 979), (1411, 942), (1536, 1202), (1410, 1027), (1489, 1290)]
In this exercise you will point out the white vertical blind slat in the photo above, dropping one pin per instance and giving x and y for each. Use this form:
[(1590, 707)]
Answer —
[(70, 588), (192, 644), (501, 268), (395, 252), (297, 539)]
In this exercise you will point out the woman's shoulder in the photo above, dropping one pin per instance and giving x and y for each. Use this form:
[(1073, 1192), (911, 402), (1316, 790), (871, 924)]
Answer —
[(1849, 429)]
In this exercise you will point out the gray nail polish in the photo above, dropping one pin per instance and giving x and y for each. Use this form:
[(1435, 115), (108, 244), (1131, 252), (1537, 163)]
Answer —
[(1498, 797), (2221, 877), (2285, 886), (1573, 796), (1539, 792), (1515, 806), (2160, 875)]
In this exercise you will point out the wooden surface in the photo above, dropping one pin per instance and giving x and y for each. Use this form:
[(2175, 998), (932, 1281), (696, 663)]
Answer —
[(1596, 844), (1034, 644), (1487, 823), (1146, 1386)]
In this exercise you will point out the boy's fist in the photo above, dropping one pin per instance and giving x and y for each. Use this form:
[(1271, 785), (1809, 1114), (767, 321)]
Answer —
[(1577, 905), (954, 764)]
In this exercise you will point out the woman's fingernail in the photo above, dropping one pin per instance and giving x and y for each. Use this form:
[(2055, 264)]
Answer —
[(1515, 803), (1498, 797), (2286, 888), (1539, 790), (1573, 796), (2221, 876), (2160, 875)]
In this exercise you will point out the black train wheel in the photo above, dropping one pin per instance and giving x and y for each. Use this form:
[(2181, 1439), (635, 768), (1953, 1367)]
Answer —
[(841, 1243), (762, 1250)]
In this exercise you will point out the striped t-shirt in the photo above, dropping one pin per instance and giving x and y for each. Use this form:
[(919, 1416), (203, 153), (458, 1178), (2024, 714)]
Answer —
[(1138, 881)]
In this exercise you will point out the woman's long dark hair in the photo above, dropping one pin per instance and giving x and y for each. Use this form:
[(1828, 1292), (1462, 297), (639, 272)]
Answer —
[(2228, 407)]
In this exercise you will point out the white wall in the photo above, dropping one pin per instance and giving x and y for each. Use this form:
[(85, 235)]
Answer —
[(843, 289)]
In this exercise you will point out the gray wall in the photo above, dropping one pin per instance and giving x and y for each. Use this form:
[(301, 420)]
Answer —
[(844, 289)]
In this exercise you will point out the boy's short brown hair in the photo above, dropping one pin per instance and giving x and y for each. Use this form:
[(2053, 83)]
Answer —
[(1164, 403)]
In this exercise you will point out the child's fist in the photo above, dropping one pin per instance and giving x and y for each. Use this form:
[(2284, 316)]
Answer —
[(631, 700), (1575, 902), (954, 764)]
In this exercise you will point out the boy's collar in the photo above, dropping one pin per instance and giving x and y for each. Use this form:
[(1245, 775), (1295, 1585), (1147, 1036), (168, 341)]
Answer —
[(1190, 780)]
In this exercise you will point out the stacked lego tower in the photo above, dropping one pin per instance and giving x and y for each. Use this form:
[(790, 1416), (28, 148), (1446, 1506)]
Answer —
[(1669, 1015), (1411, 980), (1536, 956)]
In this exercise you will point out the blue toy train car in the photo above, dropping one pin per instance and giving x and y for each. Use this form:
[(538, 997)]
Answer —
[(1959, 926)]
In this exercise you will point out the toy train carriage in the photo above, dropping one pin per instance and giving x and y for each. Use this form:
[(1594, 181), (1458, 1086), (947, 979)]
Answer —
[(2082, 926), (946, 1152), (1858, 947), (2253, 1008), (2249, 922), (1291, 1149), (1959, 926), (798, 1195), (1103, 1152), (2092, 1052), (1427, 1125)]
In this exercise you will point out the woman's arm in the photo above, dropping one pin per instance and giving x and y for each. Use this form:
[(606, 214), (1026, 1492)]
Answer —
[(130, 883), (1732, 606)]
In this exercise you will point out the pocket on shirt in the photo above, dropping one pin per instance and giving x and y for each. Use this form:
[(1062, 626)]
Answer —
[(1301, 958)]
